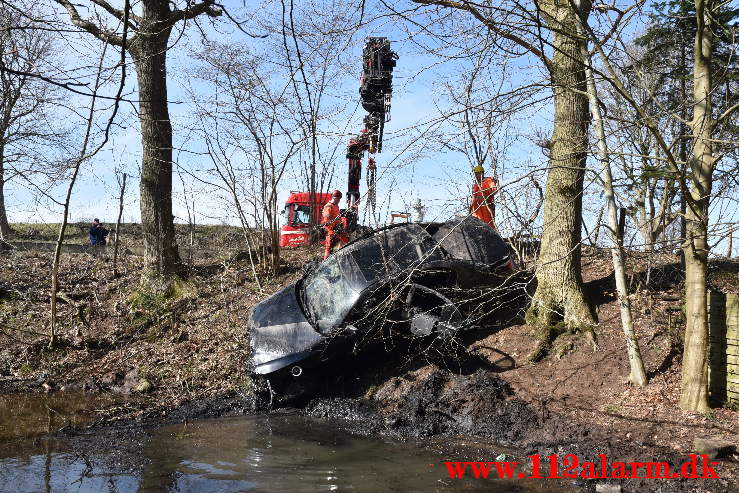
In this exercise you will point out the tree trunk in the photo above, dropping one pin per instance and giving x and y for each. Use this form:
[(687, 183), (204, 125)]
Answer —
[(118, 226), (559, 295), (683, 146), (637, 374), (730, 242), (150, 56), (694, 385), (5, 229)]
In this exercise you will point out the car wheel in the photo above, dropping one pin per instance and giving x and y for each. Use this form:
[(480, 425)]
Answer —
[(430, 312)]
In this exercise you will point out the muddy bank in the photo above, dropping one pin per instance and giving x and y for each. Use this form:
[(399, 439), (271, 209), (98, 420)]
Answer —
[(124, 335), (434, 403)]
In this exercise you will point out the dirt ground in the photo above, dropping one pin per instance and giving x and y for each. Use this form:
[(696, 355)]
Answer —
[(116, 334), (185, 357)]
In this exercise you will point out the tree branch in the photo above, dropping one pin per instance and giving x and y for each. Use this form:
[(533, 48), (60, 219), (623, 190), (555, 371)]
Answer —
[(463, 5), (206, 7), (90, 26), (121, 15), (727, 113)]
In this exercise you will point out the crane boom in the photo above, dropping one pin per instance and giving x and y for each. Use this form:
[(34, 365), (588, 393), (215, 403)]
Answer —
[(375, 92)]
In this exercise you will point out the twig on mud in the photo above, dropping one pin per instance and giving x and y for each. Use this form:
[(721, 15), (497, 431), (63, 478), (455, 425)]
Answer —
[(27, 332), (443, 413), (112, 410), (54, 410)]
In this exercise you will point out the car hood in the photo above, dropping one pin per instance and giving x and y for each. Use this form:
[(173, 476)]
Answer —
[(279, 331)]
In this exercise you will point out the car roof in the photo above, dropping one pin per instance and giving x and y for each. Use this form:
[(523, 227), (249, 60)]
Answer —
[(472, 240)]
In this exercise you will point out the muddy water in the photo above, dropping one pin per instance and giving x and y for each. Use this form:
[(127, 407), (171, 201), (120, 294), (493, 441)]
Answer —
[(287, 453), (27, 415)]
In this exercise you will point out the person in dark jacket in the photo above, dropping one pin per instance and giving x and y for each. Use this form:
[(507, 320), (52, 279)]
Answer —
[(97, 233)]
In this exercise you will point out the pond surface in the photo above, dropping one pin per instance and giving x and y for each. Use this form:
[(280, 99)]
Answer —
[(32, 414), (283, 453)]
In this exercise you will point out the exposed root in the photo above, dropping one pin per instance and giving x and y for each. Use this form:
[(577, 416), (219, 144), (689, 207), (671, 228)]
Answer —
[(551, 318)]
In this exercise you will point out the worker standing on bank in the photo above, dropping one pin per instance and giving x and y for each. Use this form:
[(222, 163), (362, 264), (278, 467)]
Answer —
[(482, 206), (332, 221)]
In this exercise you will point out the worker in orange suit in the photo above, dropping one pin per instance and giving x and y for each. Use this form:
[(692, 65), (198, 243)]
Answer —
[(482, 206), (334, 224)]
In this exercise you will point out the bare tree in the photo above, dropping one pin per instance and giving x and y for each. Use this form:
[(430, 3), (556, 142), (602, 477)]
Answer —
[(313, 40), (252, 134), (25, 101), (86, 152), (118, 223), (148, 44), (696, 183), (694, 388), (648, 191), (637, 376)]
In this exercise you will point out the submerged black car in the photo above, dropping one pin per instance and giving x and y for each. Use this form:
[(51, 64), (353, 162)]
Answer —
[(418, 280)]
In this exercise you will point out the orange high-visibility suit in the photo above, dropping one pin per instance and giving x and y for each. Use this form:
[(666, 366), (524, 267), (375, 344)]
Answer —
[(335, 228), (482, 206)]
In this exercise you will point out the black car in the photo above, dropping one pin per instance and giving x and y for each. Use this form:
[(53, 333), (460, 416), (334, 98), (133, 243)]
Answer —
[(418, 280)]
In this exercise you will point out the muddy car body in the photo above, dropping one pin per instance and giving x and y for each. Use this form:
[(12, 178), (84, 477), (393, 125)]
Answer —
[(408, 279)]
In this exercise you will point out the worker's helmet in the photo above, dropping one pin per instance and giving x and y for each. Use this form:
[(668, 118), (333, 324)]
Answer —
[(336, 193), (478, 169)]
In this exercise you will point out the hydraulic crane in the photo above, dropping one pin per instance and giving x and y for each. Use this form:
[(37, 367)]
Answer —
[(375, 92)]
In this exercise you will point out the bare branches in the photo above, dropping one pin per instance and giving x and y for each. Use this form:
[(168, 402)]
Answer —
[(124, 15), (89, 26), (207, 7), (490, 24)]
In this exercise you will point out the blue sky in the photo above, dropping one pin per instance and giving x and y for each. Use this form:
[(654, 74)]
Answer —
[(411, 166), (441, 179)]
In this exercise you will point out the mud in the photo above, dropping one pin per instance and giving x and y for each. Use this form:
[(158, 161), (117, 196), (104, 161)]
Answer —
[(435, 403)]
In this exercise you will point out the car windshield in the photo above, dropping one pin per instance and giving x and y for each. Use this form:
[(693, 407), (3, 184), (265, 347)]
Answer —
[(330, 291)]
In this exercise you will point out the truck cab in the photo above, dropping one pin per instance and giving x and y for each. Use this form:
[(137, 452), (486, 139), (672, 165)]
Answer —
[(295, 230)]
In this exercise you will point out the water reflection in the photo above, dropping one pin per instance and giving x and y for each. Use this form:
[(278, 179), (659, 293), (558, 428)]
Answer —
[(279, 453), (24, 415)]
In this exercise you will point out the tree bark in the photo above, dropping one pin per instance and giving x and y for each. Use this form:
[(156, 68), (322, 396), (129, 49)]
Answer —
[(694, 385), (5, 229), (149, 50), (559, 295), (637, 375), (683, 146)]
